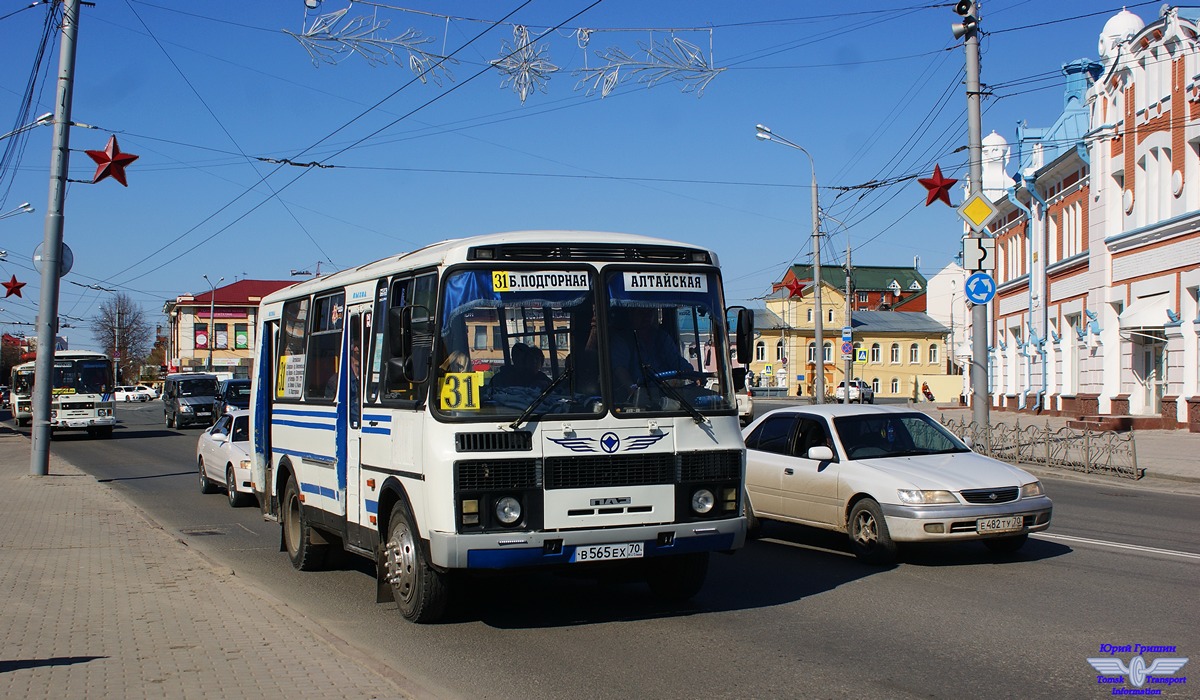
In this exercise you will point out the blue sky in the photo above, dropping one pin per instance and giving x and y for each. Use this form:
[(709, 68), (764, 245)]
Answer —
[(201, 92)]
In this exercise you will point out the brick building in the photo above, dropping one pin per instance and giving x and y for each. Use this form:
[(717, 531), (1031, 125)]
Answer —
[(227, 338)]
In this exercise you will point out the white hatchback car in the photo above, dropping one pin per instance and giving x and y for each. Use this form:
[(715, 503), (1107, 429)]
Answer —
[(128, 393), (223, 457), (884, 475)]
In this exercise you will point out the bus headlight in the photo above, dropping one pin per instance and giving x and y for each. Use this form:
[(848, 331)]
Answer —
[(703, 501), (508, 510)]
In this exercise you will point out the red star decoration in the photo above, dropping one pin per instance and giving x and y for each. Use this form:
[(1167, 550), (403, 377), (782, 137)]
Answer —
[(795, 289), (111, 161), (13, 287), (938, 186)]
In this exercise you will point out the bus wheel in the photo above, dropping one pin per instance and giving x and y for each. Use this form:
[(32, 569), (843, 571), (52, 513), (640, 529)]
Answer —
[(305, 547), (420, 591), (206, 486), (677, 578)]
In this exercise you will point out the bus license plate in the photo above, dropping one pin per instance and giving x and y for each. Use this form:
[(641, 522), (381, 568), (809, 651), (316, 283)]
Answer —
[(608, 552), (1015, 522)]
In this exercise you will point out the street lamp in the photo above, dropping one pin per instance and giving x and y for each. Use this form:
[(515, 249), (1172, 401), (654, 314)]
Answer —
[(46, 118), (765, 134), (22, 208), (212, 324)]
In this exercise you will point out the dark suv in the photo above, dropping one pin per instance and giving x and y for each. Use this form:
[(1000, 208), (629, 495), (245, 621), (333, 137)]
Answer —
[(188, 398), (231, 395)]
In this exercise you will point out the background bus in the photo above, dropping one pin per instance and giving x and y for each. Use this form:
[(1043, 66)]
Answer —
[(82, 393), (524, 399)]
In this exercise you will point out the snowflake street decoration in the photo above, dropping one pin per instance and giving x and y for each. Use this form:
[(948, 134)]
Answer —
[(331, 41), (678, 60), (525, 67)]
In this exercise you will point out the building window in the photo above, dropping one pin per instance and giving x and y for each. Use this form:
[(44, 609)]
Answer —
[(828, 354), (914, 354), (862, 297), (933, 354), (895, 385), (779, 350), (875, 385), (895, 354), (760, 351), (241, 337), (481, 338), (876, 354), (831, 315), (810, 315), (812, 352), (200, 333), (222, 335)]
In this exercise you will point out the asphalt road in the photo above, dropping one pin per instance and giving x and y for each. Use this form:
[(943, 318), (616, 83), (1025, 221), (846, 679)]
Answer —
[(791, 615)]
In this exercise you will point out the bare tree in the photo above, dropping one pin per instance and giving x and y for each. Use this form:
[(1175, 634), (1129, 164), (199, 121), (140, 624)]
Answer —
[(122, 330)]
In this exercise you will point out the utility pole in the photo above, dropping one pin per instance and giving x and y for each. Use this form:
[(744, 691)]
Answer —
[(47, 321), (849, 324), (969, 28)]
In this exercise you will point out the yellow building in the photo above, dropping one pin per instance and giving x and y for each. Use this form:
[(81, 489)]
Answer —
[(899, 349)]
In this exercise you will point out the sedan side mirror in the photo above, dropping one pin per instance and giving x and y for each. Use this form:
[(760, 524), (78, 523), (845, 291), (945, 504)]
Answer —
[(821, 453)]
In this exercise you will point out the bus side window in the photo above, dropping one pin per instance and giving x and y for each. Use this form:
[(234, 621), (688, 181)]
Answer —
[(324, 343)]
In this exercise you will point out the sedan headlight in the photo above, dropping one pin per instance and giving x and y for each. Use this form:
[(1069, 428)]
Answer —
[(1034, 488), (919, 496)]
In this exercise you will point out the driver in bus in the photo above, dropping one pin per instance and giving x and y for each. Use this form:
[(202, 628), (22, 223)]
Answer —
[(638, 341)]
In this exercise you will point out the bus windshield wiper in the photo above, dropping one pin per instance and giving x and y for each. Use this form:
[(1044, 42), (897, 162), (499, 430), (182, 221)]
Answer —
[(674, 394), (540, 397)]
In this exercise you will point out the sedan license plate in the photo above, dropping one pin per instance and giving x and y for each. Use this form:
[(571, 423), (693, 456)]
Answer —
[(608, 552), (1006, 524)]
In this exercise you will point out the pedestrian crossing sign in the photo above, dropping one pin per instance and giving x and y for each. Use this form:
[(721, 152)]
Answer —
[(860, 356)]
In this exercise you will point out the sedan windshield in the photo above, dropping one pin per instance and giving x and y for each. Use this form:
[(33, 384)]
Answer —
[(873, 435)]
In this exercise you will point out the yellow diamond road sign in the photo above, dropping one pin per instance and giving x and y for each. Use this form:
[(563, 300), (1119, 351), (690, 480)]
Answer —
[(977, 211)]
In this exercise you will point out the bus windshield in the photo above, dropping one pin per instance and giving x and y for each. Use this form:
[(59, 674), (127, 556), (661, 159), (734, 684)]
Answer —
[(90, 376), (541, 341), (508, 336), (667, 348), (22, 382)]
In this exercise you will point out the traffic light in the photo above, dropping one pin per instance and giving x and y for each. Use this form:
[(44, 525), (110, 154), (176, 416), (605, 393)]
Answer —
[(969, 23)]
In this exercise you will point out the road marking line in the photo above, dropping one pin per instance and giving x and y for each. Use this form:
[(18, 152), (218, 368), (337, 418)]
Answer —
[(1119, 545)]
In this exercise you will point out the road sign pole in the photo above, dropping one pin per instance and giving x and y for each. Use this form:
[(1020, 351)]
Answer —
[(980, 393)]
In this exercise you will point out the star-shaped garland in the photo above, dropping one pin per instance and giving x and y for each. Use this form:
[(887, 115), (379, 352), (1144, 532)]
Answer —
[(111, 161), (938, 186), (13, 287)]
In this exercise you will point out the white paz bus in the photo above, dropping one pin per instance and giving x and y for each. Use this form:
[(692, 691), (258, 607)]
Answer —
[(509, 401), (81, 395)]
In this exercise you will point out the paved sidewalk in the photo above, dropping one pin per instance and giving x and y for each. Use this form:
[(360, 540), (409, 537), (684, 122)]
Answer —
[(98, 602)]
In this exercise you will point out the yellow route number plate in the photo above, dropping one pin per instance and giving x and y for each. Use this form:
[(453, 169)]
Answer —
[(459, 391)]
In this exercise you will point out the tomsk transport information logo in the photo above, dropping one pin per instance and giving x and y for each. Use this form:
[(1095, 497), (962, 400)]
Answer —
[(1160, 672)]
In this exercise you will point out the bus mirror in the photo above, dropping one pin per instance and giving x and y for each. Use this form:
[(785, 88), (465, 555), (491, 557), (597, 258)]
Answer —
[(745, 335), (399, 320)]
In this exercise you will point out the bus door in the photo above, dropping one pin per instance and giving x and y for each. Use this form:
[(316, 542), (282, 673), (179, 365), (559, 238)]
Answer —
[(350, 415)]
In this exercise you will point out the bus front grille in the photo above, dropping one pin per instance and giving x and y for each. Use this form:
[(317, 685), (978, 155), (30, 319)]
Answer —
[(710, 466), (493, 442), (577, 472), (497, 474)]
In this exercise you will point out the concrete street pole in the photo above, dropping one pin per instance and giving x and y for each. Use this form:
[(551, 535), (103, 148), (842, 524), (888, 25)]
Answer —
[(47, 320), (980, 391), (849, 324)]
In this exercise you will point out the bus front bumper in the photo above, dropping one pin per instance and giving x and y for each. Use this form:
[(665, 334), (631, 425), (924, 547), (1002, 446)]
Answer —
[(516, 549)]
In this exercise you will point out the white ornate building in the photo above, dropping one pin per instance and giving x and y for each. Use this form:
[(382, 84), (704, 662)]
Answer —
[(1098, 236)]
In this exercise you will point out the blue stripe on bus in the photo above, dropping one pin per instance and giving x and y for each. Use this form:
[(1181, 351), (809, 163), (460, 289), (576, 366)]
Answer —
[(377, 431), (303, 424), (380, 417), (532, 556), (303, 455), (304, 414), (319, 490), (372, 507)]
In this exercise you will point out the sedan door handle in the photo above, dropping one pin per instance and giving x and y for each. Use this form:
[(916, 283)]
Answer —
[(789, 471)]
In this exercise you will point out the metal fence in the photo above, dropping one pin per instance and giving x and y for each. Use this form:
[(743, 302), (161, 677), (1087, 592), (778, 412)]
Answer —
[(1088, 451)]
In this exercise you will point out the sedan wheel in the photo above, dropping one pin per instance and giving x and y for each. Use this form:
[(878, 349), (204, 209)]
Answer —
[(206, 486), (236, 500), (869, 533)]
